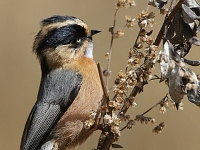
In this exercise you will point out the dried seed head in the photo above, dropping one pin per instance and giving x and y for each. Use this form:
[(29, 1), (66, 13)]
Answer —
[(125, 3), (162, 110), (118, 91), (103, 108), (139, 45), (117, 81), (112, 103), (131, 53), (127, 117), (138, 16), (115, 129), (118, 33), (119, 99), (118, 106), (143, 32), (163, 11), (159, 128), (130, 22), (107, 119), (107, 55), (143, 23), (139, 55), (106, 73), (116, 121), (162, 124), (121, 74), (151, 22), (89, 123), (149, 40), (132, 101), (133, 62), (151, 15), (152, 121), (111, 29), (130, 124), (131, 2), (144, 13), (92, 115), (132, 82), (153, 48), (180, 107)]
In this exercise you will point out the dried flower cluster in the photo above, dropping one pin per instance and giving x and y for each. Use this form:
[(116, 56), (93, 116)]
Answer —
[(178, 37), (144, 19), (145, 120), (125, 3), (159, 128), (143, 59), (113, 121), (91, 121), (118, 33), (130, 22)]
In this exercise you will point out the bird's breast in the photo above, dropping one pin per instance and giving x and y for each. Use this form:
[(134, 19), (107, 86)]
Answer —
[(70, 128)]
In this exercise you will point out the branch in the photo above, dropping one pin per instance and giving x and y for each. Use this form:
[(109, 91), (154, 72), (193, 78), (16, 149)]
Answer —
[(111, 43), (105, 94), (169, 18), (133, 93)]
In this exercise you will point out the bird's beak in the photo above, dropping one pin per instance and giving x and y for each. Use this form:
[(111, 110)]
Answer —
[(93, 32)]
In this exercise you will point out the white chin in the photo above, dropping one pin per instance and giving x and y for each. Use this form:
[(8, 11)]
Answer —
[(89, 50)]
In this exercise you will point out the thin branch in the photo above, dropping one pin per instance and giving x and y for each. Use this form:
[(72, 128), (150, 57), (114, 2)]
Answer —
[(192, 62), (106, 96), (107, 142), (137, 38), (111, 44), (153, 106)]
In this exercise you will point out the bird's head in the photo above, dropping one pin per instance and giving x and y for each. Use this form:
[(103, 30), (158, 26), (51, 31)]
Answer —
[(61, 40)]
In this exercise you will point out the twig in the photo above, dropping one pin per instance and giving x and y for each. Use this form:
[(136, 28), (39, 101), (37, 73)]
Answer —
[(111, 44), (153, 106), (106, 96), (192, 62), (107, 141), (137, 38)]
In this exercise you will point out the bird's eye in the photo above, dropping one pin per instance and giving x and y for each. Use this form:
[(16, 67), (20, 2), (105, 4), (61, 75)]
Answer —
[(78, 40)]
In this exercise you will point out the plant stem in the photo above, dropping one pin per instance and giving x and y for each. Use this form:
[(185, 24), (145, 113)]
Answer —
[(110, 50)]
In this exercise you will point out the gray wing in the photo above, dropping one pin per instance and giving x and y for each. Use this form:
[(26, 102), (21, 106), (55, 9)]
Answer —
[(57, 91)]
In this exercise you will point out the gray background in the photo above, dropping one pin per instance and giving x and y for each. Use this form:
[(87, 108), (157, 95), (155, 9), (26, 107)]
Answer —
[(20, 73)]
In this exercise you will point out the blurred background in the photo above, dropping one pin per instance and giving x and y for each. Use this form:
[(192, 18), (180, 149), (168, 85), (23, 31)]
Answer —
[(20, 73)]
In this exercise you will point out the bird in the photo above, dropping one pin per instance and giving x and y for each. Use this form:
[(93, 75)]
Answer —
[(68, 104)]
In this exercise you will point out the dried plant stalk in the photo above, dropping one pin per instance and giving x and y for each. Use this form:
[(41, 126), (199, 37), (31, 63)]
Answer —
[(138, 72)]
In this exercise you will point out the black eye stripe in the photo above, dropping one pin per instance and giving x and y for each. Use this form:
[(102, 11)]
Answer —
[(62, 36)]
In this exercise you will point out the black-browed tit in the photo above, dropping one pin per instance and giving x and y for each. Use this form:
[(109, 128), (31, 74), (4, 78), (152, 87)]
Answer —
[(70, 91)]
